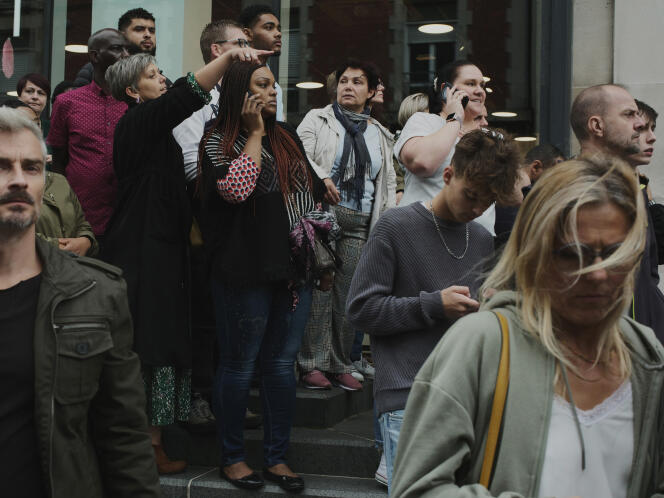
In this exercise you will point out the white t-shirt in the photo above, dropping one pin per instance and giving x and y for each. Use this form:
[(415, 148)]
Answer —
[(608, 434), (419, 188), (190, 132)]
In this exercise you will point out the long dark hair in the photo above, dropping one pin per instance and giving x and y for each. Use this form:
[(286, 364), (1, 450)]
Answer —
[(290, 162)]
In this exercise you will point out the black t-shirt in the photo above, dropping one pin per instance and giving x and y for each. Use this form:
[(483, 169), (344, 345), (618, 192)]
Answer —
[(20, 469)]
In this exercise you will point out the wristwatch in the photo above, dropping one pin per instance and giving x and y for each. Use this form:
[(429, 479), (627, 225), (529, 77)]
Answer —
[(454, 117)]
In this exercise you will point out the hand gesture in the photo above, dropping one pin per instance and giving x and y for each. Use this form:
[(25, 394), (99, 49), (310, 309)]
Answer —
[(332, 196), (252, 119), (78, 245), (248, 54), (454, 105), (457, 301)]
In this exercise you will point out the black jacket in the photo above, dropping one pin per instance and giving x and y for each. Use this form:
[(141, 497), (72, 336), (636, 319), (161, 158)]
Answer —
[(148, 234), (648, 301)]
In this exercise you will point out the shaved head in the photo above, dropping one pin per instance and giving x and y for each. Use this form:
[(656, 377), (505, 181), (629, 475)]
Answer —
[(605, 119), (100, 38), (592, 101)]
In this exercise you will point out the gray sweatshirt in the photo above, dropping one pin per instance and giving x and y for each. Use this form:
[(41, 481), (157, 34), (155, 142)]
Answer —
[(443, 437), (395, 293)]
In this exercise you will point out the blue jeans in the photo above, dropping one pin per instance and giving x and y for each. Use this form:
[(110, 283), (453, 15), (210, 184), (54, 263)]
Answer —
[(356, 352), (256, 327), (390, 423)]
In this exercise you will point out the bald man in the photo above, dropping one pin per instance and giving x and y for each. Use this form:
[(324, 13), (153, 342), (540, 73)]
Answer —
[(606, 120), (81, 134)]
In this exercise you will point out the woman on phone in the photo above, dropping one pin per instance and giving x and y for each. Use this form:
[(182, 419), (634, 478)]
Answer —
[(258, 192)]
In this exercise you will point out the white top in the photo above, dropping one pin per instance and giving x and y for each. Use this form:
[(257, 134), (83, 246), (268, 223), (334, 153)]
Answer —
[(419, 188), (608, 433), (190, 132)]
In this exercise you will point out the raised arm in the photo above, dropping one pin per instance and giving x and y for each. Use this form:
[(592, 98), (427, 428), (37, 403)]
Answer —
[(423, 155)]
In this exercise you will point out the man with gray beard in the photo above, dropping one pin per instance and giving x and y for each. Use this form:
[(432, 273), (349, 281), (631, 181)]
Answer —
[(78, 430), (606, 120)]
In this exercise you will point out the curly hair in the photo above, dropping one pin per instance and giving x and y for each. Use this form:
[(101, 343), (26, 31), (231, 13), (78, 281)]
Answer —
[(490, 160)]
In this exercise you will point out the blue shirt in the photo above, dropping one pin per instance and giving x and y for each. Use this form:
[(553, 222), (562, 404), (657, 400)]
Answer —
[(372, 139)]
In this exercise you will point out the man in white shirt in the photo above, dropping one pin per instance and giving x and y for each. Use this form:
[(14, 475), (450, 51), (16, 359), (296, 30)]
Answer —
[(216, 38)]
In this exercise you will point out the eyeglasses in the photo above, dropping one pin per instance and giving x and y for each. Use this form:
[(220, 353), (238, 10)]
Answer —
[(240, 42), (570, 255)]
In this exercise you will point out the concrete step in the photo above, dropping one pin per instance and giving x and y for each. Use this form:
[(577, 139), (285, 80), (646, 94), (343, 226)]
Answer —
[(347, 449), (205, 482), (324, 408)]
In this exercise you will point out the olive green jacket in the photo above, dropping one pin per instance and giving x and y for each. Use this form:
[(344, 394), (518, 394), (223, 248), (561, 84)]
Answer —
[(61, 214), (90, 417), (442, 440)]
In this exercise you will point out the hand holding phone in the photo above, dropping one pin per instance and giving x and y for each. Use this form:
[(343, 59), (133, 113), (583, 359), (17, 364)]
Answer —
[(446, 89)]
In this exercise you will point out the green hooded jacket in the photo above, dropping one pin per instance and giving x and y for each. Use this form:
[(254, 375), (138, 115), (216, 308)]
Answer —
[(61, 214), (443, 436), (90, 420)]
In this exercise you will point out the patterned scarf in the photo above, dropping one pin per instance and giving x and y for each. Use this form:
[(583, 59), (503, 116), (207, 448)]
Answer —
[(355, 159)]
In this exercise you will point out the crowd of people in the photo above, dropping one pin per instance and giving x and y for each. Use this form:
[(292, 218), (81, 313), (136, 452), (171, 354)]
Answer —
[(511, 303)]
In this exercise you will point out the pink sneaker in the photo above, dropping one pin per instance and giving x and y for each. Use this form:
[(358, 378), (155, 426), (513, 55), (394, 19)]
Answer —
[(316, 380), (347, 382)]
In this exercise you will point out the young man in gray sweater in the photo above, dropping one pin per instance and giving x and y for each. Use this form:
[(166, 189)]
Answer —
[(421, 269)]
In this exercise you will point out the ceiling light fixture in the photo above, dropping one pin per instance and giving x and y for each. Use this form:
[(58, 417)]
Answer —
[(525, 139), (504, 114), (76, 49), (309, 85), (435, 29)]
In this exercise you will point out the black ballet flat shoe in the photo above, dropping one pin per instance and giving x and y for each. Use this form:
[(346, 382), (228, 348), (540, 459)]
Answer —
[(252, 481), (287, 483)]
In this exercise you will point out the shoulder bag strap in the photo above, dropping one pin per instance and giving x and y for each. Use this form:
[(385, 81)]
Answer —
[(498, 408)]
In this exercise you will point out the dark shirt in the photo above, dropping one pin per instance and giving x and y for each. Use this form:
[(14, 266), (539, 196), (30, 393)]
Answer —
[(20, 470), (648, 302), (248, 242)]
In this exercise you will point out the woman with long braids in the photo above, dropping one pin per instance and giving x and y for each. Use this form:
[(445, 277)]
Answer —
[(148, 235), (258, 198), (352, 152)]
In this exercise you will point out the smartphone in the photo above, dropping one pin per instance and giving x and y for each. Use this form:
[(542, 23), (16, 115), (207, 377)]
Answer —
[(446, 88), (249, 94)]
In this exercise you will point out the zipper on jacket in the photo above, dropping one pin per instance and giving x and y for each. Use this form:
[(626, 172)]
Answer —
[(81, 326), (54, 328)]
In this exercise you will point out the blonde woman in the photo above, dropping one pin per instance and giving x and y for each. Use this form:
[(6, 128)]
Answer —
[(582, 416)]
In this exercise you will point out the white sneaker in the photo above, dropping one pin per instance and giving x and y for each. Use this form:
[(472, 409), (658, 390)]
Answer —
[(381, 471), (365, 368), (357, 375)]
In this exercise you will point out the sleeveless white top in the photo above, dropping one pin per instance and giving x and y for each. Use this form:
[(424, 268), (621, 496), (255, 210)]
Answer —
[(608, 434)]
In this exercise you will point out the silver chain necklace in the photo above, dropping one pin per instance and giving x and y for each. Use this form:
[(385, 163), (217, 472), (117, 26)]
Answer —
[(440, 234)]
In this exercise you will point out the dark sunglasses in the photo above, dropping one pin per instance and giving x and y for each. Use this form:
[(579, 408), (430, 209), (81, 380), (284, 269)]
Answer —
[(571, 254), (240, 42)]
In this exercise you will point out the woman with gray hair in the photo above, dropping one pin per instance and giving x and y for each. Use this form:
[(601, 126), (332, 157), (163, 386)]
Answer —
[(149, 232)]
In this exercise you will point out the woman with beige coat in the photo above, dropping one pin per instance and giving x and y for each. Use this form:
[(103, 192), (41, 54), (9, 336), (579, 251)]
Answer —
[(351, 152)]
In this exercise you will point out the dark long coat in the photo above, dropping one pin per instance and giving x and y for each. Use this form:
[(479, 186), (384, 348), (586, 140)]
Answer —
[(148, 235)]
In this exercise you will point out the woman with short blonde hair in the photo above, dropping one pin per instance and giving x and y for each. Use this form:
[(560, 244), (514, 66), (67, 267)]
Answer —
[(581, 416)]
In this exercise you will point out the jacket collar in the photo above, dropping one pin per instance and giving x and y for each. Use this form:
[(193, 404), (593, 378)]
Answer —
[(60, 270)]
